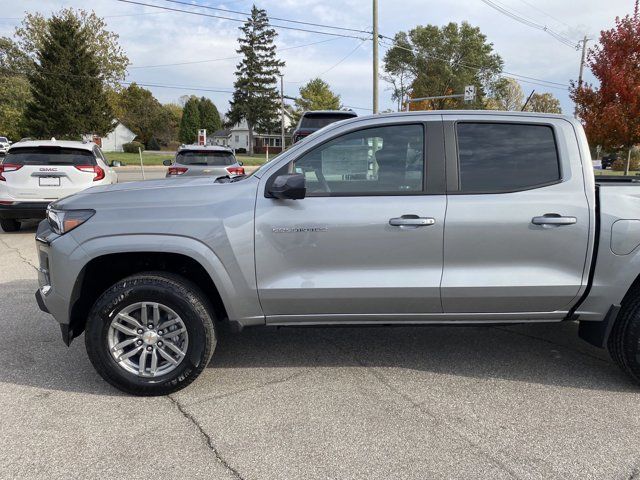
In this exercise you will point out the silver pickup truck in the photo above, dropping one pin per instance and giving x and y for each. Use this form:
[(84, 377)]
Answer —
[(465, 218)]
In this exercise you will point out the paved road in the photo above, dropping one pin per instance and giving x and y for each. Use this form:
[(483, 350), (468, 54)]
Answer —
[(399, 403)]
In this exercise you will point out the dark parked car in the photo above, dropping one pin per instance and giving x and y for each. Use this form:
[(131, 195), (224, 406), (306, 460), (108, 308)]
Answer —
[(607, 160), (315, 120)]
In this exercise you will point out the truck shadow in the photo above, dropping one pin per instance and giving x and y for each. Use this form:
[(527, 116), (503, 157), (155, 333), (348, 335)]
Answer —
[(32, 352)]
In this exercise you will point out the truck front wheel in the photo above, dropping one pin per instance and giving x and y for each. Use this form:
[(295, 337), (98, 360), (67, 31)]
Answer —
[(150, 334), (624, 340)]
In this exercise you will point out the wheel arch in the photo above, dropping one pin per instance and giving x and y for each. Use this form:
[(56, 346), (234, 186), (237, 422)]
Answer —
[(113, 262)]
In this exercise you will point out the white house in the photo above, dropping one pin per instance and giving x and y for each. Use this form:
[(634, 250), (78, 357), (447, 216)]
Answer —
[(115, 139), (237, 137)]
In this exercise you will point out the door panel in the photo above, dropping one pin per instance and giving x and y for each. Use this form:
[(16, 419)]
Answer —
[(336, 253), (340, 255), (497, 259)]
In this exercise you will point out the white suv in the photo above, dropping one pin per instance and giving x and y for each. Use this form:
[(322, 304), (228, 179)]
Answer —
[(36, 173)]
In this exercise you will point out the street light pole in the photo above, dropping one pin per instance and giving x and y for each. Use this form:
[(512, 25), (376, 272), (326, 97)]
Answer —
[(282, 112), (375, 57)]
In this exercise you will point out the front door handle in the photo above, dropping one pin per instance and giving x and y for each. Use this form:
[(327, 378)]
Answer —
[(554, 219), (411, 221)]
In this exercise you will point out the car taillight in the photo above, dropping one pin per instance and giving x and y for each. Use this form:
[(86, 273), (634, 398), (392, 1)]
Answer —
[(235, 170), (99, 172), (176, 170), (8, 167)]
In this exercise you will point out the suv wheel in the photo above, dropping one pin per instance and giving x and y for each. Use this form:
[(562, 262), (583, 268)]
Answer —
[(150, 334), (9, 225), (624, 340)]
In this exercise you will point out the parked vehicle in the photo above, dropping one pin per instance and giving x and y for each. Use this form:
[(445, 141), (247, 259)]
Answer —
[(4, 145), (210, 160), (313, 121), (608, 160), (36, 173), (466, 218)]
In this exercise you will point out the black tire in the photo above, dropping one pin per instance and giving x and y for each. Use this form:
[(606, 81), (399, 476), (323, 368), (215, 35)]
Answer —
[(9, 225), (623, 344), (182, 296)]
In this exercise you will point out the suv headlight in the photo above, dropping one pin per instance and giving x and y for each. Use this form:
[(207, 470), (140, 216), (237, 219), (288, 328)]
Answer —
[(63, 221)]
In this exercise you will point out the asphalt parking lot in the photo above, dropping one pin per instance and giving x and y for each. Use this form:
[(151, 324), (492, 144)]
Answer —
[(342, 403)]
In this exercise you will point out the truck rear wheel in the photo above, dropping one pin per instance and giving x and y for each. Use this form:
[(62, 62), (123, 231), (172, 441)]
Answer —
[(624, 340), (9, 225), (150, 334)]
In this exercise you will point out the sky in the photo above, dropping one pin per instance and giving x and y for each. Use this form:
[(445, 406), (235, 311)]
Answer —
[(152, 37)]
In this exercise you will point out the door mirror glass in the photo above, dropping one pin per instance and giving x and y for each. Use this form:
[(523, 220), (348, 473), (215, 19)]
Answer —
[(166, 163), (291, 187)]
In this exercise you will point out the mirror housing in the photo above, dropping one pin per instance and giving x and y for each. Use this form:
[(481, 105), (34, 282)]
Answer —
[(116, 163), (240, 163), (289, 187), (166, 163)]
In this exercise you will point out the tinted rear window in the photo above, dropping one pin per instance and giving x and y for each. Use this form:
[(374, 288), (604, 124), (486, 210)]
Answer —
[(322, 119), (205, 158), (502, 157), (50, 156)]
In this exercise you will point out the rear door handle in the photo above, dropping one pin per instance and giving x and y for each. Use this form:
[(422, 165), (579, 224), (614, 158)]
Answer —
[(411, 221), (554, 219)]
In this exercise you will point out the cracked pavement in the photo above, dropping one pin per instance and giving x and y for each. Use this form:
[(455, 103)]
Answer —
[(524, 402)]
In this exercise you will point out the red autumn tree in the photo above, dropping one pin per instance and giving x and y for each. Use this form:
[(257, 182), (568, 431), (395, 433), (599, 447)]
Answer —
[(610, 112)]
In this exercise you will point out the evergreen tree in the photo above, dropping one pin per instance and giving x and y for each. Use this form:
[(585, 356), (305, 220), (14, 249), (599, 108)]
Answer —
[(190, 122), (256, 97), (209, 116), (69, 97)]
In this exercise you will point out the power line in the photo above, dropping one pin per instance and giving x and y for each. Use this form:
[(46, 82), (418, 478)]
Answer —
[(202, 14), (546, 14), (337, 63), (270, 17), (228, 58), (530, 23)]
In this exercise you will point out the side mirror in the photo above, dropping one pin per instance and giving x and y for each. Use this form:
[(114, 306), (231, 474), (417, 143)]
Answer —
[(116, 163), (240, 163), (289, 187), (166, 163)]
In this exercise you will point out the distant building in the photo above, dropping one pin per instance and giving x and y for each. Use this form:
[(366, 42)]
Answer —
[(114, 140), (237, 137)]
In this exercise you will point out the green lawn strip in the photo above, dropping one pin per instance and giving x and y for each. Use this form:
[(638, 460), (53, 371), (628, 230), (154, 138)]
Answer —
[(150, 159)]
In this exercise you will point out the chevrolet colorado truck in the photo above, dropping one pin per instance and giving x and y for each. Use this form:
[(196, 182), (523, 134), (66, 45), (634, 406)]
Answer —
[(458, 218)]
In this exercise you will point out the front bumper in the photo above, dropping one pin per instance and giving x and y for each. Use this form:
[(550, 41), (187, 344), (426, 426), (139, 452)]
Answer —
[(24, 210)]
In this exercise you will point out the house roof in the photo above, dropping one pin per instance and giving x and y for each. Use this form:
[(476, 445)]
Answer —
[(225, 132)]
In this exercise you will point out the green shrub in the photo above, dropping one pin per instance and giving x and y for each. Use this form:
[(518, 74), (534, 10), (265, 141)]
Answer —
[(132, 147), (153, 144), (634, 164), (172, 146)]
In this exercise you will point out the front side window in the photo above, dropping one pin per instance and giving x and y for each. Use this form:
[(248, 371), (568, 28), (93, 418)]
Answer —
[(383, 160), (503, 157)]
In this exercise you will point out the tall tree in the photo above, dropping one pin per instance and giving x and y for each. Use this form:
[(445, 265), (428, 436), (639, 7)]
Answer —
[(442, 61), (507, 95), (316, 95), (190, 122), (14, 89), (256, 97), (209, 116), (69, 97), (543, 103), (101, 43), (610, 112), (140, 111)]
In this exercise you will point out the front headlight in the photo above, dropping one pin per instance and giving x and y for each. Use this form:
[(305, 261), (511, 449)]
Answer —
[(63, 221)]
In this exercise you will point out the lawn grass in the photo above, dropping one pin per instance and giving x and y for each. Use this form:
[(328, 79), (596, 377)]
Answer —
[(612, 172), (150, 159)]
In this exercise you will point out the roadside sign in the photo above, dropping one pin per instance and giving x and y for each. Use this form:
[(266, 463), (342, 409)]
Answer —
[(469, 93), (202, 137)]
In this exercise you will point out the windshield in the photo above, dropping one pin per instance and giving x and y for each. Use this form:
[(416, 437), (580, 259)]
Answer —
[(203, 157), (3, 139), (49, 156), (310, 120)]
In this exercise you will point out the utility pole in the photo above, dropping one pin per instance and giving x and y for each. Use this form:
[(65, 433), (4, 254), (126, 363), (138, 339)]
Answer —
[(375, 57), (282, 112), (584, 55)]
